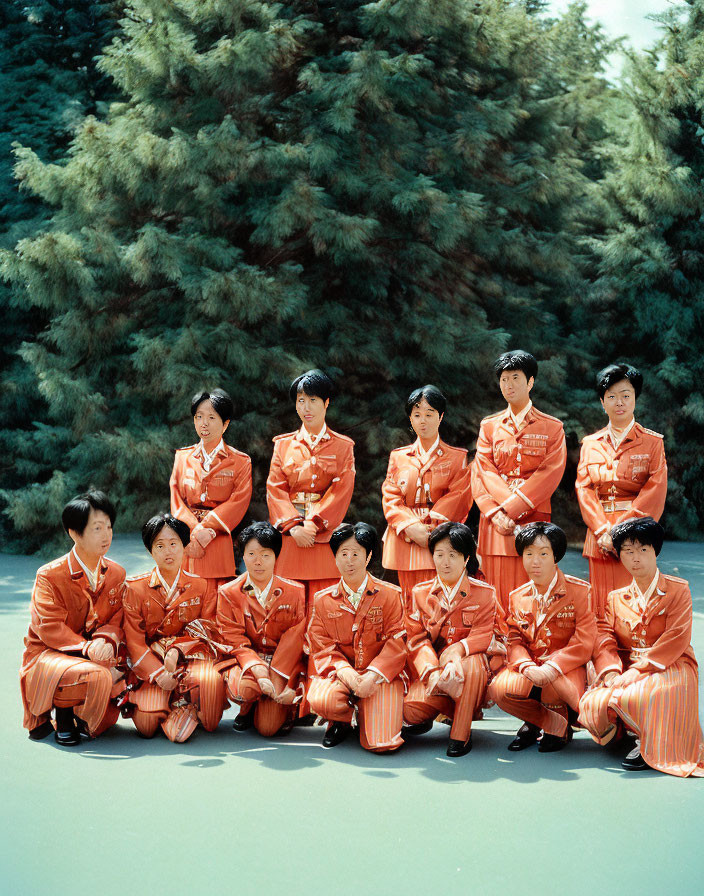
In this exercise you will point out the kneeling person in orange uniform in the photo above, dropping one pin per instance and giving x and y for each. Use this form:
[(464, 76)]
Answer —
[(262, 618), (551, 634), (449, 631), (70, 662), (172, 647), (357, 644)]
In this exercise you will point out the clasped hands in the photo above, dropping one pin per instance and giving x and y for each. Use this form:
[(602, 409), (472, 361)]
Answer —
[(277, 690), (418, 532), (503, 523), (200, 539), (304, 534), (101, 651), (363, 685), (540, 675), (614, 679), (449, 678), (605, 544)]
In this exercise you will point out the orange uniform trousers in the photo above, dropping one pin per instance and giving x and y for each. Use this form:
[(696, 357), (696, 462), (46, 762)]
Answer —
[(269, 715), (153, 705), (417, 707), (380, 716), (515, 694)]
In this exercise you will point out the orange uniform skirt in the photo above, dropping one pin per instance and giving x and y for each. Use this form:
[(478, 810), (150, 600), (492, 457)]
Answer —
[(606, 573)]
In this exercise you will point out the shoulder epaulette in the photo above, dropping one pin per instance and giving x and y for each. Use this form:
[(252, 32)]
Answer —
[(237, 453), (520, 589), (188, 447), (651, 432), (480, 583), (284, 435), (575, 580), (137, 578), (191, 575), (338, 435), (291, 582), (677, 579), (494, 416), (547, 416)]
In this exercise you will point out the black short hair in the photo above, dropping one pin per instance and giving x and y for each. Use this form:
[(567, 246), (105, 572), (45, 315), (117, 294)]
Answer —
[(643, 529), (533, 531), (516, 360), (75, 514), (264, 533), (155, 524), (614, 373), (363, 533), (314, 383), (431, 394), (461, 539), (222, 403)]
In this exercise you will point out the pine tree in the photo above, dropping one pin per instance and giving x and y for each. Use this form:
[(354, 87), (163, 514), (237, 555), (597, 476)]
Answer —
[(646, 305), (378, 189)]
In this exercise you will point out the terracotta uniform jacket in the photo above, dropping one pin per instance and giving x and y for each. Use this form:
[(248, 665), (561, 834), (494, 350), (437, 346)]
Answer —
[(615, 484), (373, 637), (65, 615), (154, 622), (516, 472), (274, 633), (432, 491), (431, 627), (561, 631), (217, 499)]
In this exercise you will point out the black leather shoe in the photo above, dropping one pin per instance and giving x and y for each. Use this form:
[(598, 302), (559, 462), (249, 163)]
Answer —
[(550, 743), (415, 730), (66, 734), (336, 733), (244, 720), (82, 728), (305, 721), (634, 762), (459, 747), (525, 737), (41, 731)]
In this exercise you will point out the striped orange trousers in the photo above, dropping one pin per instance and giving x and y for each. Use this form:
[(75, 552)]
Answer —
[(511, 692), (417, 707), (380, 716), (269, 715)]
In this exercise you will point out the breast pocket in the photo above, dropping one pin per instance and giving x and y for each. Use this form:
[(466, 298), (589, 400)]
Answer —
[(638, 467), (440, 476), (220, 486)]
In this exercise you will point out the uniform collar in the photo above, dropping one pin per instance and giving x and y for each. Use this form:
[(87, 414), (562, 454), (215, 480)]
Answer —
[(424, 456), (552, 589), (261, 595), (93, 576), (448, 595), (207, 459), (311, 441), (518, 418), (641, 598), (616, 440), (355, 597)]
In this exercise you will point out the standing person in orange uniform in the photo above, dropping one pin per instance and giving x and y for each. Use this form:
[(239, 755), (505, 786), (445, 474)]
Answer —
[(427, 483), (622, 474), (211, 485), (72, 649), (551, 634), (647, 675), (262, 617), (172, 642), (520, 459), (449, 631), (357, 645), (310, 484)]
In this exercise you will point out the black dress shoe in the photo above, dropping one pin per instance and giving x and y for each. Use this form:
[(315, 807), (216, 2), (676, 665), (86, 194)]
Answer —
[(336, 733), (82, 728), (66, 734), (525, 737), (459, 747), (415, 730), (244, 720), (634, 762), (41, 731), (305, 721), (550, 743)]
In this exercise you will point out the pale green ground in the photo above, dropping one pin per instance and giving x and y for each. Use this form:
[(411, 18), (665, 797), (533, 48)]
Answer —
[(234, 813)]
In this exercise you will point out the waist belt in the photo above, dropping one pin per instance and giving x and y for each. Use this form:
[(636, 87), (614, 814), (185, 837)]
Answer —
[(639, 653), (303, 501), (266, 657), (611, 506)]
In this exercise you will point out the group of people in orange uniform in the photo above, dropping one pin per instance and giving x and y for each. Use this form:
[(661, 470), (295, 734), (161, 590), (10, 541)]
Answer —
[(307, 631)]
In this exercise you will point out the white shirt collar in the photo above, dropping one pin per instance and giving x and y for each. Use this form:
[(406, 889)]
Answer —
[(261, 595), (209, 458), (355, 597), (424, 455), (544, 598), (449, 594), (311, 440), (616, 439), (642, 598), (521, 415), (92, 576), (169, 589)]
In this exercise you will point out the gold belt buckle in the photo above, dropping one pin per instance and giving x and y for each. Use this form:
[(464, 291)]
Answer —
[(304, 501)]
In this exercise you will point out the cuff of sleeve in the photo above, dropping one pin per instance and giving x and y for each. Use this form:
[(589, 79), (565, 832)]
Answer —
[(378, 672), (319, 523), (249, 664), (438, 516), (156, 673), (493, 510), (524, 665), (600, 531), (612, 668), (427, 672), (554, 665), (465, 644), (648, 662), (285, 675), (218, 520), (403, 526)]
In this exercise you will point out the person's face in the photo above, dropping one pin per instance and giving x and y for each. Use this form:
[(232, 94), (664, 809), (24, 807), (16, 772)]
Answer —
[(97, 535), (259, 561), (639, 559), (619, 402), (515, 388), (449, 562), (425, 421), (167, 550), (351, 560), (208, 423), (311, 409), (539, 561)]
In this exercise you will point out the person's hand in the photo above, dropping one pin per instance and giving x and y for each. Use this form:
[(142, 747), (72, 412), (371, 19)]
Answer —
[(285, 697), (261, 673), (194, 550), (631, 676), (166, 681), (543, 675), (100, 651), (348, 677), (451, 680), (608, 679), (171, 660), (302, 535), (431, 684), (368, 684), (419, 533), (116, 674), (203, 536), (605, 543), (530, 671), (453, 652), (503, 523)]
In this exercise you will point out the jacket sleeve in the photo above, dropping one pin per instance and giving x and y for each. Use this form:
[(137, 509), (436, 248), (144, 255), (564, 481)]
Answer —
[(282, 513), (145, 663), (49, 616), (482, 631), (226, 516), (230, 622), (325, 653), (650, 500), (542, 482), (332, 508), (422, 656), (391, 659), (578, 650), (606, 656), (179, 508), (488, 488), (113, 629), (289, 651), (589, 504), (457, 500), (517, 654), (398, 515), (676, 638)]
